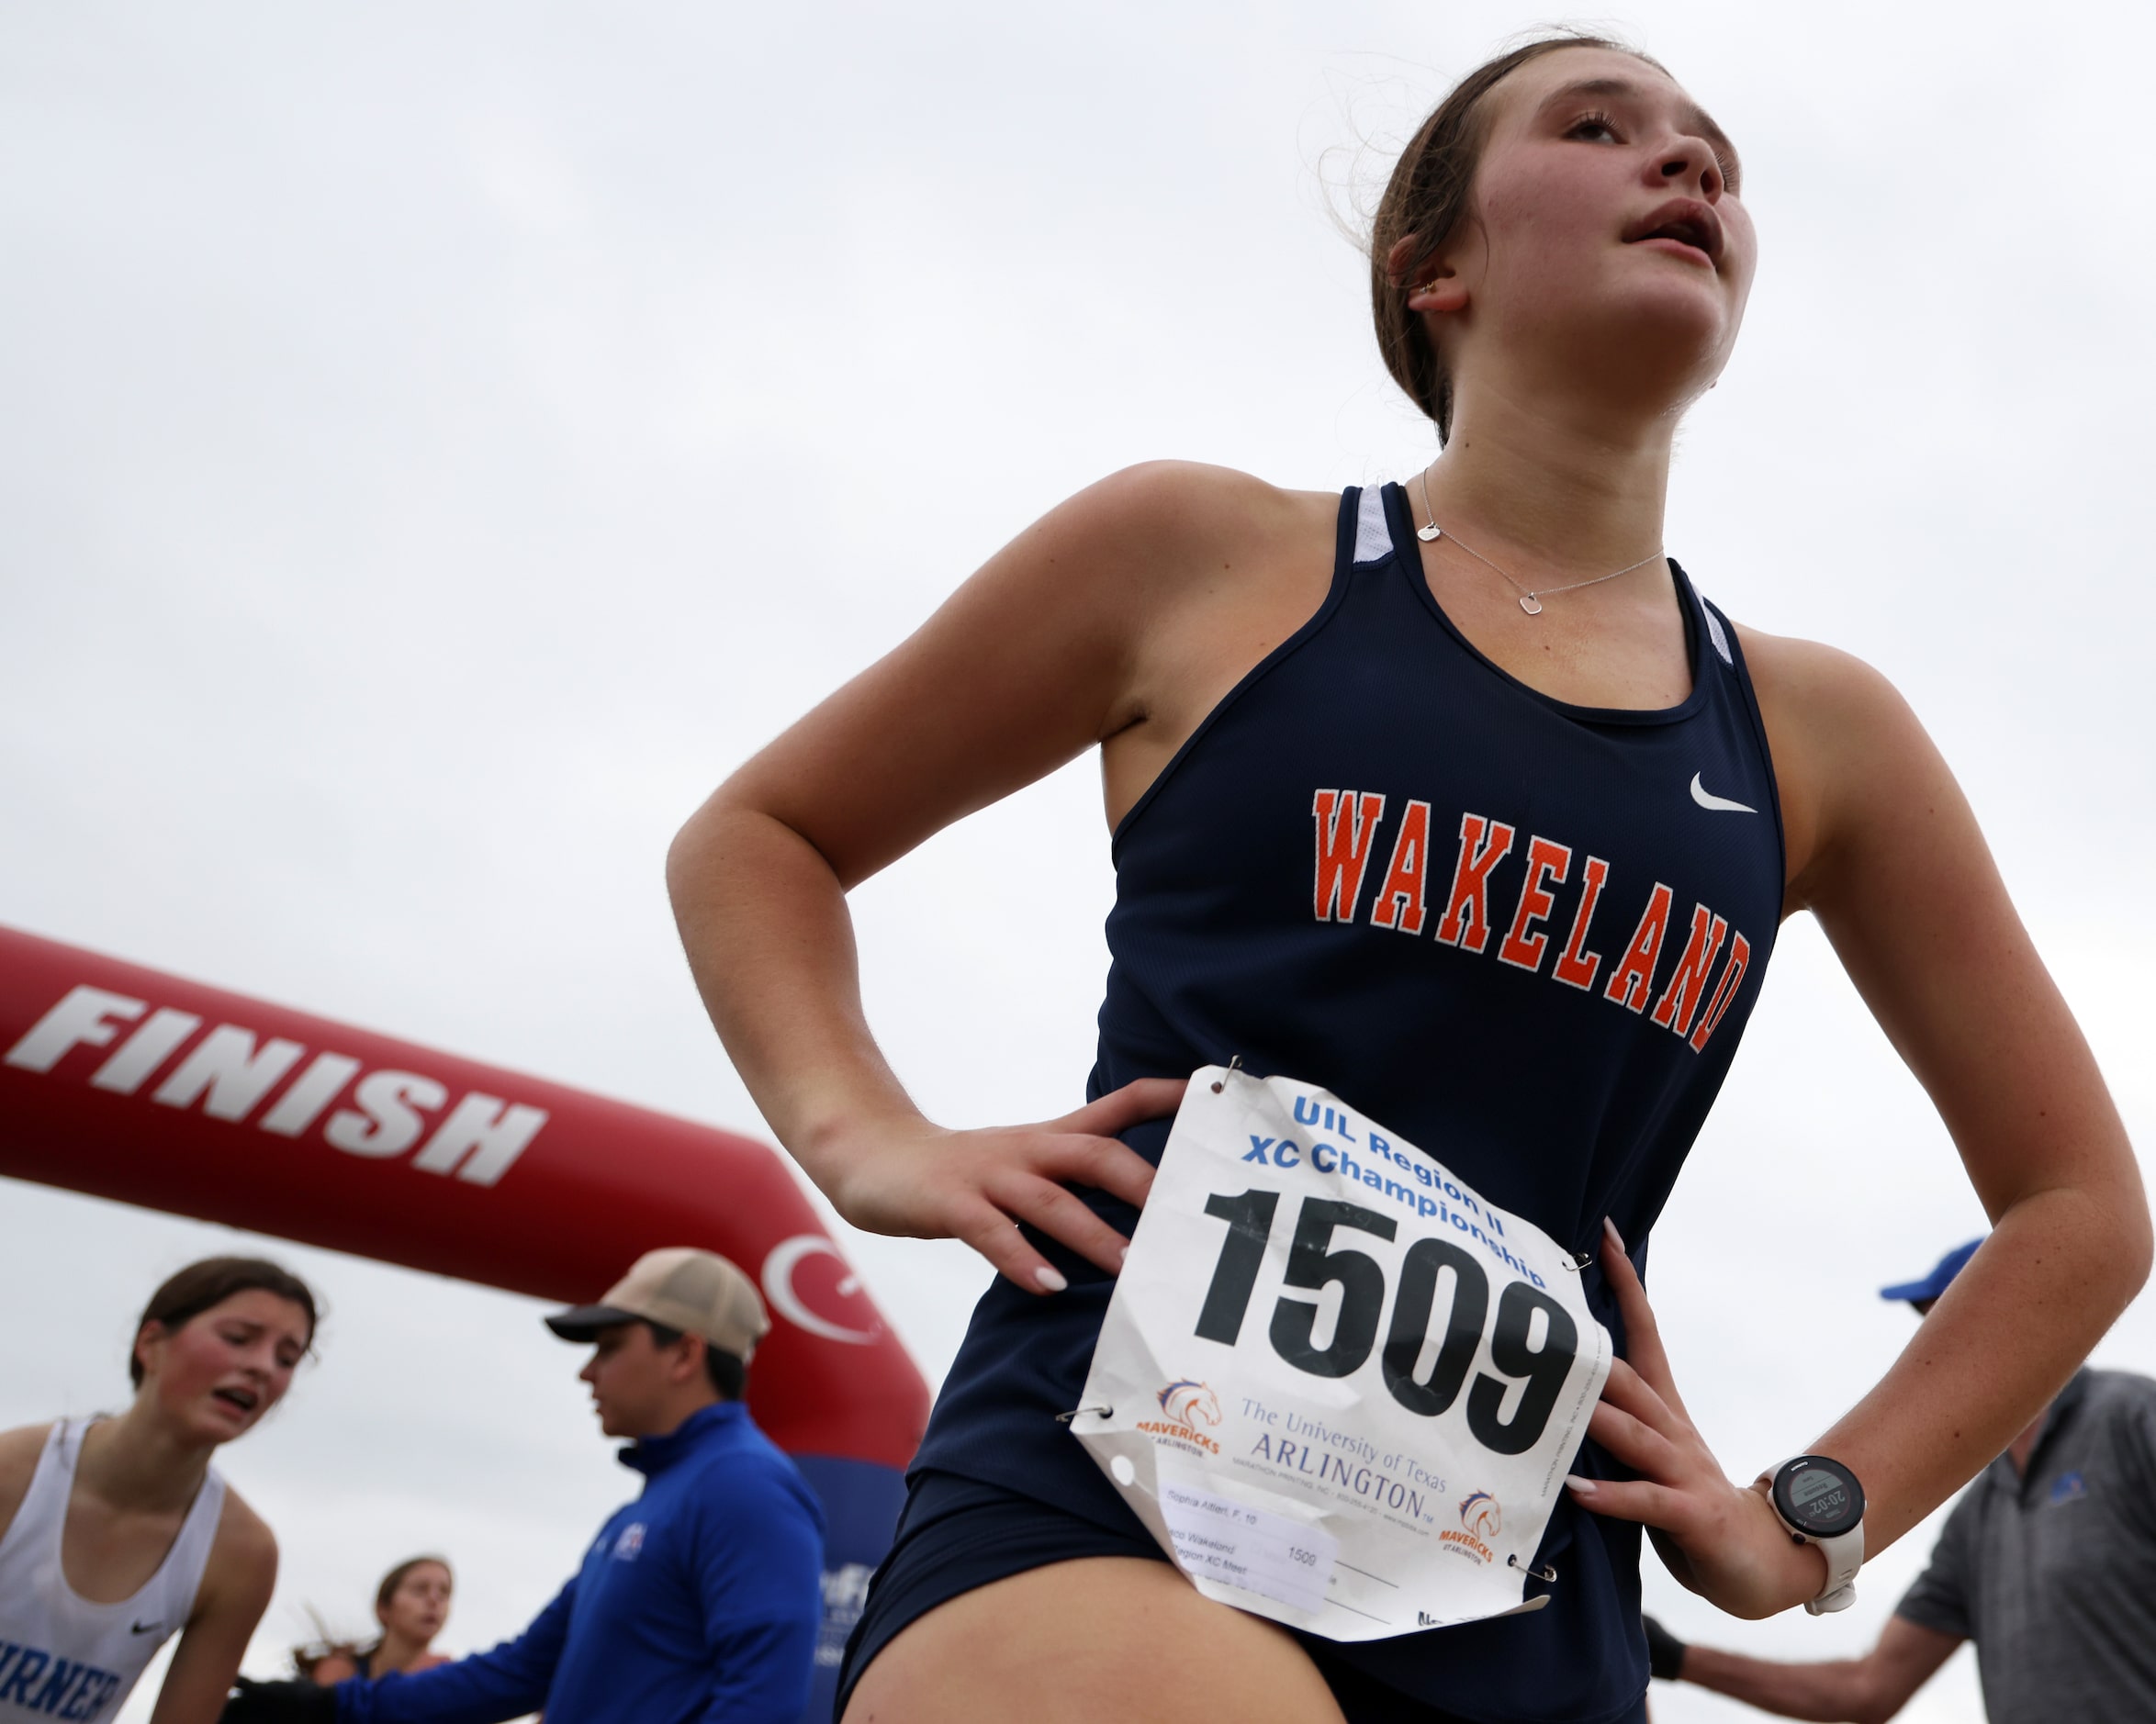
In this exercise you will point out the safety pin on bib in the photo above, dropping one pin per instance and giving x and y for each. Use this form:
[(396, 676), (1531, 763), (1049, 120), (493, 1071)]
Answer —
[(1220, 1082), (1064, 1419), (1545, 1573)]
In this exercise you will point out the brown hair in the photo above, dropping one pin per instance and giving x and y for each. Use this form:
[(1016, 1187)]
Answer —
[(1430, 194), (319, 1650), (308, 1659), (214, 1280), (394, 1577)]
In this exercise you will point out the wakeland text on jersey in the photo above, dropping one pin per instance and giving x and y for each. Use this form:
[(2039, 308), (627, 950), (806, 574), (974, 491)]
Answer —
[(1347, 823)]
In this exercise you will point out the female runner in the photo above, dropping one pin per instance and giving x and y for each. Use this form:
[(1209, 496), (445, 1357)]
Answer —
[(411, 1604), (117, 1533), (1296, 697)]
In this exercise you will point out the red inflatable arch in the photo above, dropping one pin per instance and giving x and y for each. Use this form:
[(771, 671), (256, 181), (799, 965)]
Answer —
[(127, 1083)]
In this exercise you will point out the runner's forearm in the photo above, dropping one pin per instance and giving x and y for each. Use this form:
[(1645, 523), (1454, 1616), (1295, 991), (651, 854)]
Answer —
[(2058, 1265), (1834, 1691), (771, 943), (1897, 871)]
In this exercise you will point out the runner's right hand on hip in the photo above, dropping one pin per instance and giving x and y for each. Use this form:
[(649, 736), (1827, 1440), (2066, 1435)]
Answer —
[(279, 1703), (922, 1181), (1716, 1539)]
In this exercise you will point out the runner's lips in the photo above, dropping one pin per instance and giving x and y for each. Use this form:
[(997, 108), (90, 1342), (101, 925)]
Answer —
[(1688, 222), (246, 1400)]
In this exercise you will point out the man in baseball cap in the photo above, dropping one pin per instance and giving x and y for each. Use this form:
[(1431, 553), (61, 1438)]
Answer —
[(676, 1291), (701, 1598), (2048, 1562)]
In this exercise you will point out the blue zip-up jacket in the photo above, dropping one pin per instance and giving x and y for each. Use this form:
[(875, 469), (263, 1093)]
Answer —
[(698, 1604)]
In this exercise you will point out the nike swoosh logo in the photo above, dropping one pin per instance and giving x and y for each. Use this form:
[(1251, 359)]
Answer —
[(1707, 800), (147, 1628)]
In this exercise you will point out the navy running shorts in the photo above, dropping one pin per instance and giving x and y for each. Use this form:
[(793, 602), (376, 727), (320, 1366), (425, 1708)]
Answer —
[(958, 1533)]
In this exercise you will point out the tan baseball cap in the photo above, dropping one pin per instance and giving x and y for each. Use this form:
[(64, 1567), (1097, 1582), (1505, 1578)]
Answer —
[(698, 1292)]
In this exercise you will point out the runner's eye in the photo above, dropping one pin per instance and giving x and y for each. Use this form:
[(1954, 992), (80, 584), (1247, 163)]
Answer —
[(1589, 125)]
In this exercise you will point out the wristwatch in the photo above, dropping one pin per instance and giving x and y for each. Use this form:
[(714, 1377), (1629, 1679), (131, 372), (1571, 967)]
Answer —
[(1821, 1503)]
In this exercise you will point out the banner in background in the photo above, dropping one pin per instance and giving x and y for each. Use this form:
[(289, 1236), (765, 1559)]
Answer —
[(123, 1083)]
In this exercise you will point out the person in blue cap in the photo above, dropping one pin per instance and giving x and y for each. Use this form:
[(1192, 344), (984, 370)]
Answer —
[(2048, 1562), (1923, 1292)]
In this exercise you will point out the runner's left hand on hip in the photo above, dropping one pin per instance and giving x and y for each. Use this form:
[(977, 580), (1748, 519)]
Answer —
[(1718, 1540)]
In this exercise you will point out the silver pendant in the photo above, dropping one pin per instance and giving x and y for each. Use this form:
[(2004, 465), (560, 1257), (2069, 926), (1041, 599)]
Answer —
[(1429, 534), (1530, 604)]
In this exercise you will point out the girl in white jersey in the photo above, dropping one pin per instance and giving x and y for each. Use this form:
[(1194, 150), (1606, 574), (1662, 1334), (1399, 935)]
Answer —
[(411, 1605), (117, 1533)]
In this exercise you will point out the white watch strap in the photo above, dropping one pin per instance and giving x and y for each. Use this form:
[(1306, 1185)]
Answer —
[(1844, 1556)]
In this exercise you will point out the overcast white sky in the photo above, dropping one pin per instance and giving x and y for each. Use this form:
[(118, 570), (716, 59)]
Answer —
[(437, 443)]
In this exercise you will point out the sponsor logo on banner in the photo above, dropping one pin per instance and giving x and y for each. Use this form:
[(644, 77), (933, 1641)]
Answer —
[(1186, 1404), (846, 1593), (782, 1289)]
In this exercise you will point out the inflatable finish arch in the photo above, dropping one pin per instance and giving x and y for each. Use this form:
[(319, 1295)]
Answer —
[(126, 1083)]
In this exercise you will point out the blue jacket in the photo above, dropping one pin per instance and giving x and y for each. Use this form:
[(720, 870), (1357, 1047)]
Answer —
[(699, 1602)]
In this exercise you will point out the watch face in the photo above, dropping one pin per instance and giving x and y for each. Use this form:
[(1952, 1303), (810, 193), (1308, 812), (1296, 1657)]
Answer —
[(1818, 1496)]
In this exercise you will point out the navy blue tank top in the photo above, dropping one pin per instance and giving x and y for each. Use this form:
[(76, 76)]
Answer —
[(1524, 934)]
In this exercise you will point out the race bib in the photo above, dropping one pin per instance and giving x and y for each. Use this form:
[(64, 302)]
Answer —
[(1341, 1389)]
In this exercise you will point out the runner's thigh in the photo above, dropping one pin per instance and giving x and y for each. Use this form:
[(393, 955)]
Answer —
[(1076, 1642)]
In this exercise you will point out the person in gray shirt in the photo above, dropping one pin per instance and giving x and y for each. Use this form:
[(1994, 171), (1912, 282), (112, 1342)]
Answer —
[(2048, 1562)]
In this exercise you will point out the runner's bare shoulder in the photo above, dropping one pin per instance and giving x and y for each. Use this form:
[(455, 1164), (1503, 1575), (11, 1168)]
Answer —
[(1100, 617), (242, 1564), (1168, 522), (1195, 502), (1815, 697), (1834, 726), (1820, 678), (19, 1450), (1155, 589)]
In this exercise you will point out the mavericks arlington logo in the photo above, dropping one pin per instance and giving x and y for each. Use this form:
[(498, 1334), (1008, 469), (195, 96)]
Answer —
[(1189, 1408), (1480, 1520)]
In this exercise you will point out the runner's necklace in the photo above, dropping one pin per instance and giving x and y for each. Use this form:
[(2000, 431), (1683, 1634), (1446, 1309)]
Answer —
[(1530, 597)]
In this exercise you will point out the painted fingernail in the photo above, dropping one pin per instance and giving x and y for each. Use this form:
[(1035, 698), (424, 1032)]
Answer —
[(1585, 1487), (1619, 1237), (1123, 1255), (1050, 1279)]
